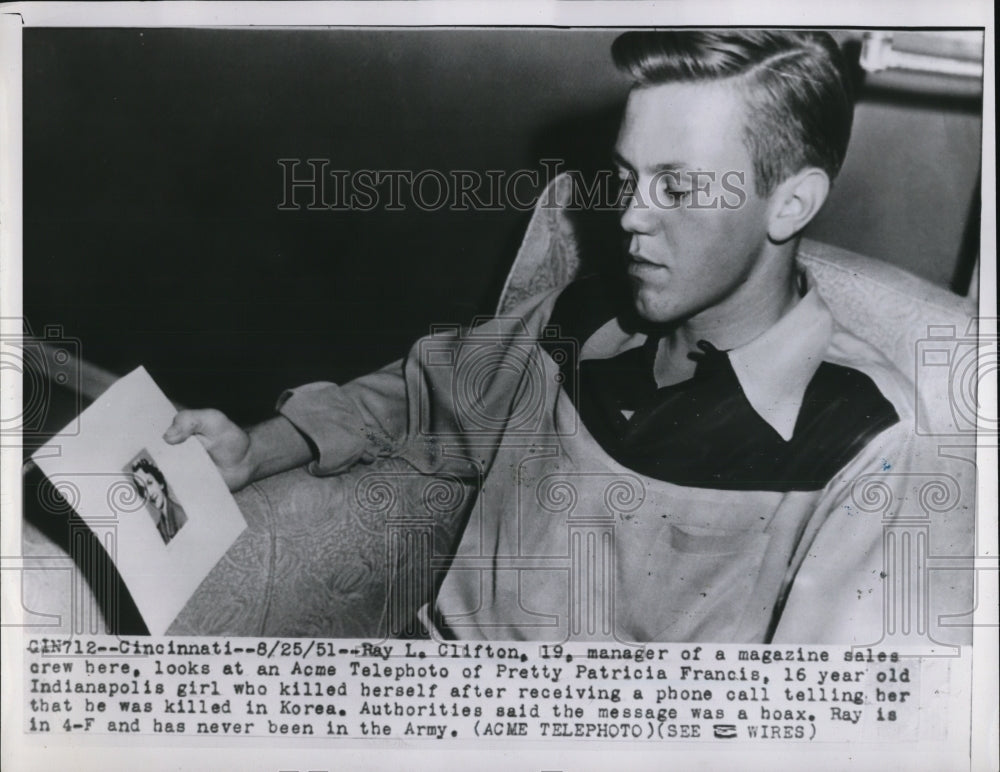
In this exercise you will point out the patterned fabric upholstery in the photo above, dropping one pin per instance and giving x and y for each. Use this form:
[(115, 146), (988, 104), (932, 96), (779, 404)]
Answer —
[(330, 557), (357, 554)]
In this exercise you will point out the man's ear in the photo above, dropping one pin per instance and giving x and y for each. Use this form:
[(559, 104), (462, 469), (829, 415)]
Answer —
[(795, 202)]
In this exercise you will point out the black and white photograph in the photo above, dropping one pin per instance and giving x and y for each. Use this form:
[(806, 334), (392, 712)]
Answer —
[(164, 510), (688, 295), (523, 346), (135, 524)]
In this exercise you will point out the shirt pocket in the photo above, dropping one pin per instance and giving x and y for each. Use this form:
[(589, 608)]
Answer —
[(691, 583)]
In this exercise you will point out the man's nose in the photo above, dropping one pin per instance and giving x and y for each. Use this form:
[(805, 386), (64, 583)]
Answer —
[(637, 215)]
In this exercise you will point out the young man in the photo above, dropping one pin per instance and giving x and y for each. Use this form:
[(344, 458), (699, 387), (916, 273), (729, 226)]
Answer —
[(684, 471)]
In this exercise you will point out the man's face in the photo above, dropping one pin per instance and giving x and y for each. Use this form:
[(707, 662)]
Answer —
[(689, 250), (154, 491)]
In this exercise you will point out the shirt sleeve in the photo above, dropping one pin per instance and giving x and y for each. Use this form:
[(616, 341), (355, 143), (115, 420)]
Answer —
[(442, 407), (861, 574)]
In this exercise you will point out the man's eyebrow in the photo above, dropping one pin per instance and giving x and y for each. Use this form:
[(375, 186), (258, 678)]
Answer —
[(662, 166), (619, 160)]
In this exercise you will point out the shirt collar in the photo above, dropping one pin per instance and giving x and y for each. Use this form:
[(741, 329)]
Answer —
[(773, 369)]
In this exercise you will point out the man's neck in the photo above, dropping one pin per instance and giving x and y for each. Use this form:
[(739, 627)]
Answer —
[(747, 314)]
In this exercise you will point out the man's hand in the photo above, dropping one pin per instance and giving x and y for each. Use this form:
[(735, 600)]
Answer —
[(227, 444), (242, 456)]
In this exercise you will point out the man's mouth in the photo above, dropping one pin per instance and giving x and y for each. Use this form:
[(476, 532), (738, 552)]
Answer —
[(639, 264)]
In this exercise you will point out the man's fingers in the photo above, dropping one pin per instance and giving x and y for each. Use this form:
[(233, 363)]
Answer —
[(188, 422), (185, 424)]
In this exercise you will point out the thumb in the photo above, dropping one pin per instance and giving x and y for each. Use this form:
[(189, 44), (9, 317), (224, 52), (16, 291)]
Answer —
[(189, 422)]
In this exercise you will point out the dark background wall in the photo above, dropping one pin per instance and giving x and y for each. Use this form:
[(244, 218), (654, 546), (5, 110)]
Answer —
[(152, 228)]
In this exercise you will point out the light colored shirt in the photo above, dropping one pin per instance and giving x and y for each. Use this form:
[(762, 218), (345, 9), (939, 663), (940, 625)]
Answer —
[(565, 543)]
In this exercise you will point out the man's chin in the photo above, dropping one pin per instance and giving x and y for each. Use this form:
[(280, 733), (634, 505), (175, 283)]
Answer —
[(652, 306)]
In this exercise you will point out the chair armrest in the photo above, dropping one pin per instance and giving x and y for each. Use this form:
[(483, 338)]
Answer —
[(343, 556)]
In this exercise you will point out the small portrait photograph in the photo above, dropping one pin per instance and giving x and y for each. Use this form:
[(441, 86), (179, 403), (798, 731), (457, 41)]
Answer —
[(167, 514)]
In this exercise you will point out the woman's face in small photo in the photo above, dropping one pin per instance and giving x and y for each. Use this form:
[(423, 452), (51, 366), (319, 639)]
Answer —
[(154, 493)]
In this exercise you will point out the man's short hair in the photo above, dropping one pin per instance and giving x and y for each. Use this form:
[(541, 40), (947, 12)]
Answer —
[(796, 85)]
